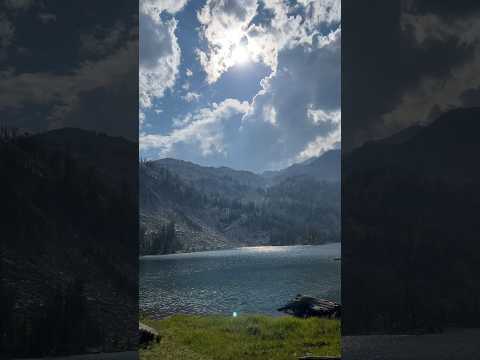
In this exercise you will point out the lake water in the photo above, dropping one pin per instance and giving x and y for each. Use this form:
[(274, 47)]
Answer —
[(253, 280)]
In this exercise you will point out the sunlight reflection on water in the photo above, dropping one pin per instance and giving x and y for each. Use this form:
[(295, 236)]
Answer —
[(246, 280)]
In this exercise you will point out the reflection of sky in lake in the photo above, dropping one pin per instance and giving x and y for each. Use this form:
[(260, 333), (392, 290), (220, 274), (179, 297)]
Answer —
[(246, 280)]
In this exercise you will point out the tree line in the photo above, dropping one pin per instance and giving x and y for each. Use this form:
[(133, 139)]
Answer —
[(161, 241)]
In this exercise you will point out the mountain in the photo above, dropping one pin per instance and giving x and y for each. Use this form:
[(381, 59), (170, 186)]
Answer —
[(215, 208), (68, 242), (409, 215), (114, 158), (326, 167), (211, 180)]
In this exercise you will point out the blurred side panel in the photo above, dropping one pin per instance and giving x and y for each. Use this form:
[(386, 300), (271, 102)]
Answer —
[(68, 184), (410, 198)]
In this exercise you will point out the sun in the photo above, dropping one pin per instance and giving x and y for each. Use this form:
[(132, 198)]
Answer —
[(240, 54), (235, 47)]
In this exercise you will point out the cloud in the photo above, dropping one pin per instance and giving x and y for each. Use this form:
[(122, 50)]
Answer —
[(154, 8), (160, 53), (318, 116), (305, 96), (409, 71), (224, 25), (296, 112), (189, 72), (191, 96), (435, 93), (202, 130), (230, 30), (69, 98), (159, 58), (101, 41), (19, 4), (44, 87), (327, 141), (325, 11)]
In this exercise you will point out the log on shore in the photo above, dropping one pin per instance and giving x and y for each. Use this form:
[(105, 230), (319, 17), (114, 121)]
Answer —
[(307, 306)]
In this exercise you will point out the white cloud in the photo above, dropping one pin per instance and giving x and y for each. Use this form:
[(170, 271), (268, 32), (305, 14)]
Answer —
[(202, 129), (159, 58), (160, 53), (224, 26), (328, 11), (330, 139), (321, 144), (191, 96), (270, 114), (318, 116), (296, 113), (232, 37), (189, 72), (154, 8)]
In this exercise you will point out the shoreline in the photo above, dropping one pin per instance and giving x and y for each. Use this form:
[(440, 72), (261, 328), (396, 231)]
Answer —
[(259, 247)]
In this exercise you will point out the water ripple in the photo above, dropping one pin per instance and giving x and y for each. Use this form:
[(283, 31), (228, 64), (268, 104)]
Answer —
[(245, 280)]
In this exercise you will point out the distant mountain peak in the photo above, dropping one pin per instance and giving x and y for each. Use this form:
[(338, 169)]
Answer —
[(325, 167)]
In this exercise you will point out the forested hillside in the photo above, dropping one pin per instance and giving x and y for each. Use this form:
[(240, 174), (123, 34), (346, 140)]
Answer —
[(215, 208), (68, 243)]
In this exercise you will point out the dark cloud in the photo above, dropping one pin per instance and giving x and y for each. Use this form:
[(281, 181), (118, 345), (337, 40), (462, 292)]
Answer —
[(394, 54), (448, 9), (471, 97), (70, 64), (19, 4)]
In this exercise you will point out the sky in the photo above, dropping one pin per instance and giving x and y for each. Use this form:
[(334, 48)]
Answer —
[(249, 84), (69, 64), (417, 59)]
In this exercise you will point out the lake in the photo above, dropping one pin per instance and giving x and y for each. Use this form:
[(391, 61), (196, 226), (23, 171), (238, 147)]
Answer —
[(253, 280)]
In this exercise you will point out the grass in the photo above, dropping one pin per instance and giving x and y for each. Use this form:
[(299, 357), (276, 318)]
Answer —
[(248, 337)]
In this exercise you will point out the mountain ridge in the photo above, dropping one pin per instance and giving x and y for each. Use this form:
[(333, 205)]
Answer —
[(222, 208)]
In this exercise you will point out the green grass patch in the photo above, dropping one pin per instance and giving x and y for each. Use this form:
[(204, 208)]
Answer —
[(213, 337)]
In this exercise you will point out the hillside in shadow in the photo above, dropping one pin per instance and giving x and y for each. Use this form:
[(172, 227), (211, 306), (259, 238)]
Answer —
[(410, 249), (69, 248)]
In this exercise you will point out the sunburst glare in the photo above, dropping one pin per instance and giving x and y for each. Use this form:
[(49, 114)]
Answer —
[(240, 54)]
